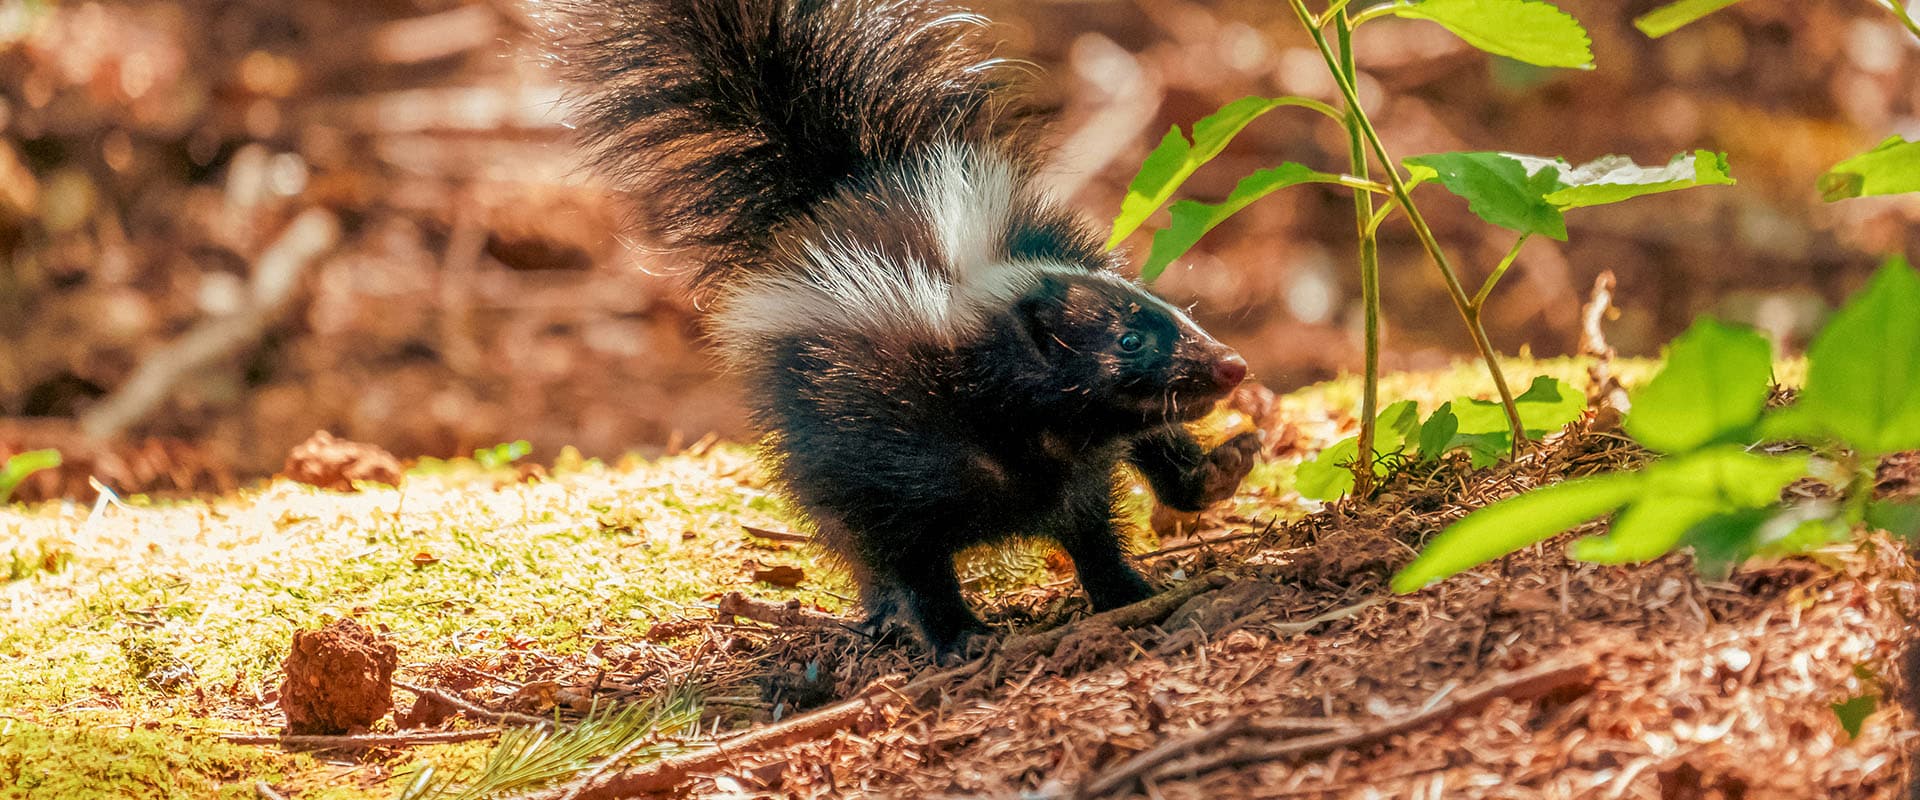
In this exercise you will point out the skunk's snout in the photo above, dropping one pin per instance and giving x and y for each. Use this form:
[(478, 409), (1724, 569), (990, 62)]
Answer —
[(1229, 369)]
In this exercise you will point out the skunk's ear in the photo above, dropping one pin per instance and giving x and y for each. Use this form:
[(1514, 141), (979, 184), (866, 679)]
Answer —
[(1040, 312)]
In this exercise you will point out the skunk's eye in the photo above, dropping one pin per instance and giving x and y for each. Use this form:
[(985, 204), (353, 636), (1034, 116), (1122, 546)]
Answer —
[(1131, 341)]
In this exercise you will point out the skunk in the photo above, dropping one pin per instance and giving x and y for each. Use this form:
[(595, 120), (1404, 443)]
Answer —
[(940, 354)]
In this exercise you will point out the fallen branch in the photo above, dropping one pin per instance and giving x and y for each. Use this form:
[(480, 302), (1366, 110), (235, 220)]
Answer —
[(275, 275), (784, 615), (265, 792), (667, 773), (363, 740), (474, 709), (1527, 684)]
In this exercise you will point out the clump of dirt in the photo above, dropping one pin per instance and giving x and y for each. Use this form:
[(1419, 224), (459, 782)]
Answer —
[(336, 464), (337, 679), (1090, 646)]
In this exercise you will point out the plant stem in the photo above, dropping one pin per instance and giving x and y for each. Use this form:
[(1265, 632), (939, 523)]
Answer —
[(1900, 10), (1359, 179), (1458, 293), (1335, 8), (1363, 215), (1480, 300), (1371, 14)]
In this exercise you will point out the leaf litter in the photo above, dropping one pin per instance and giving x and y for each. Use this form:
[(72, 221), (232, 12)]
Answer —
[(1280, 665)]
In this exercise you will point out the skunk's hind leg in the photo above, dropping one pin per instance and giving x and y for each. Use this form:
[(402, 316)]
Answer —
[(930, 595)]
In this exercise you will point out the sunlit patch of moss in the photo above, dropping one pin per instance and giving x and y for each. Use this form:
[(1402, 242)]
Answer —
[(80, 760)]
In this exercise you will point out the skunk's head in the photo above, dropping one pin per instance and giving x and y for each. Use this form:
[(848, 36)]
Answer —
[(1122, 355)]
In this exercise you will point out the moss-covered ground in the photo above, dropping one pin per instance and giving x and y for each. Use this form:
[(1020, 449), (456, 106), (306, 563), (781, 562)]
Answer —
[(132, 633)]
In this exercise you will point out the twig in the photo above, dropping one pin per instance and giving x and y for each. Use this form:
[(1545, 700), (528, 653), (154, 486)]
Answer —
[(275, 275), (1602, 387), (474, 709), (587, 779), (265, 792), (778, 536), (1527, 684), (665, 774), (1136, 767), (1199, 542), (401, 739), (735, 604)]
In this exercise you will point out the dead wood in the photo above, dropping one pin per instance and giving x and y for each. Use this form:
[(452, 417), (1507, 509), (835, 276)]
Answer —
[(275, 275), (1527, 684), (363, 740), (474, 709), (784, 615), (667, 773)]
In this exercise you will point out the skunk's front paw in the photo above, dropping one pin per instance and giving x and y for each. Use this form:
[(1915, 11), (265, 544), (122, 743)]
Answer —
[(1227, 466), (966, 645)]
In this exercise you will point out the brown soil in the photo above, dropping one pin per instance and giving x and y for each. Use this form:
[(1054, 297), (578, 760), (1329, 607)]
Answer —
[(1656, 683), (337, 464), (338, 679)]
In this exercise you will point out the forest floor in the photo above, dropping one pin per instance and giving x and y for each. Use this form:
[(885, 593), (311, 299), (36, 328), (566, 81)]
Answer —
[(142, 641)]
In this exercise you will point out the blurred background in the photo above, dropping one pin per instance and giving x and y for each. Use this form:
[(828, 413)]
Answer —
[(225, 224)]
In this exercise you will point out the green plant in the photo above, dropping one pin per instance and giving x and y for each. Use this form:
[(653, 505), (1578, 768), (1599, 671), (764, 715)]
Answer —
[(17, 468), (501, 456), (1713, 486), (1526, 194), (1478, 427), (1891, 168)]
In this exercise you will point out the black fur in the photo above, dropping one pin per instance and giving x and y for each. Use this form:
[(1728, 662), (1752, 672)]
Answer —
[(902, 459), (756, 128), (726, 118)]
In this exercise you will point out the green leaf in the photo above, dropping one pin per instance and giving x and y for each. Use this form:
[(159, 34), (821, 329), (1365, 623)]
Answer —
[(1853, 712), (1547, 405), (1611, 179), (1192, 220), (1436, 434), (1899, 519), (1724, 540), (1674, 16), (1686, 490), (1646, 530), (1399, 424), (503, 454), (1327, 476), (1176, 158), (1529, 194), (1712, 389), (1891, 168), (1535, 32), (1499, 189), (1517, 522), (17, 469), (1863, 370)]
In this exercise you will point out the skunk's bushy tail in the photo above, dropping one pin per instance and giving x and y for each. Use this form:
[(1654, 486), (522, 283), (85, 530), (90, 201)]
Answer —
[(726, 118)]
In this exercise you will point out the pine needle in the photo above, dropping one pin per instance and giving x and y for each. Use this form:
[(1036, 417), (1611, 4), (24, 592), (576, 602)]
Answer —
[(534, 756)]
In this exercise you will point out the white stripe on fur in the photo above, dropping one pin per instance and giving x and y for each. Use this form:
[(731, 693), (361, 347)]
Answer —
[(966, 196)]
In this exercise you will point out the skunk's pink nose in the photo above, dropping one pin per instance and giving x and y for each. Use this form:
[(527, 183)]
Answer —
[(1229, 370)]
